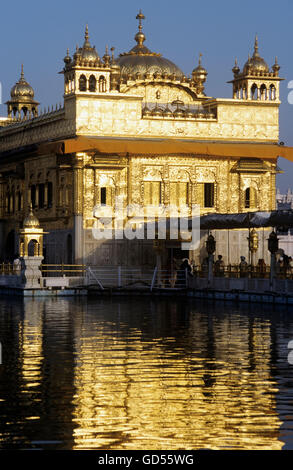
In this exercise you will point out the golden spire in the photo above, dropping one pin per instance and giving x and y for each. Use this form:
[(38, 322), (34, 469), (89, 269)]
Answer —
[(21, 73), (106, 57), (86, 35), (112, 54), (256, 54), (140, 37), (140, 17), (236, 69), (67, 58), (276, 66)]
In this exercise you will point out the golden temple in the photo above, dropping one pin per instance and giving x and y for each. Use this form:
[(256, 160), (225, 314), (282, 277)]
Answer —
[(135, 127)]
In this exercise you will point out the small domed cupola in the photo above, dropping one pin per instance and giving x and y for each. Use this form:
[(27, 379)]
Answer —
[(31, 221), (256, 81), (199, 76), (87, 52), (236, 69), (255, 64), (22, 103)]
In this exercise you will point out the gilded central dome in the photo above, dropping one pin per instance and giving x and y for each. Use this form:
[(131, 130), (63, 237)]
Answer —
[(141, 60)]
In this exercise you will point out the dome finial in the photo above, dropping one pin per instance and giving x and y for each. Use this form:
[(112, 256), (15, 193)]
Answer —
[(86, 34), (255, 54), (140, 17), (276, 66), (236, 69), (140, 37), (112, 54), (106, 57), (21, 73), (67, 58), (199, 59)]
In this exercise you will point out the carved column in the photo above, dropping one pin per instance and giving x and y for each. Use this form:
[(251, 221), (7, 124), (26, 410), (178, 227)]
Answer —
[(78, 207)]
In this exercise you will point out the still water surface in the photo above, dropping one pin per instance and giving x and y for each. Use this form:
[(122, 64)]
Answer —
[(143, 374)]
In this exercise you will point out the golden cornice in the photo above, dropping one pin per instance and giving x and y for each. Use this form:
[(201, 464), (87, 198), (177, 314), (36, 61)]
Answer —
[(270, 76), (124, 146)]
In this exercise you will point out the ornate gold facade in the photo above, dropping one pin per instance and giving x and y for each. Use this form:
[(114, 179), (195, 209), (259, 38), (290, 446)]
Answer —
[(137, 103)]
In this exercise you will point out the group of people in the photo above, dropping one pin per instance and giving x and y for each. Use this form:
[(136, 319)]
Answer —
[(284, 265), (219, 267)]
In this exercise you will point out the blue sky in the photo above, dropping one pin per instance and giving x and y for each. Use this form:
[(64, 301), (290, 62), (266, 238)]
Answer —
[(37, 34)]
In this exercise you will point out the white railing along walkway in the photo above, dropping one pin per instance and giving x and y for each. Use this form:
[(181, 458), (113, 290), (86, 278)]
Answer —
[(123, 277)]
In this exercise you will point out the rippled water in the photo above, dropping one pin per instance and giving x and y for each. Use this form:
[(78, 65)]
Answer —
[(143, 374)]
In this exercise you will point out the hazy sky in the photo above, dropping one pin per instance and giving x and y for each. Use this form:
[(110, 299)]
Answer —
[(37, 34)]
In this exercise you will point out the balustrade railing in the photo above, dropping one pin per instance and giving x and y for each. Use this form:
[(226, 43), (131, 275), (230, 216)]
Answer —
[(55, 270), (235, 271)]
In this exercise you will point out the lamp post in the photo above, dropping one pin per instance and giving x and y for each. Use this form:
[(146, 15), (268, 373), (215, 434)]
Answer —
[(273, 246), (253, 246), (211, 248)]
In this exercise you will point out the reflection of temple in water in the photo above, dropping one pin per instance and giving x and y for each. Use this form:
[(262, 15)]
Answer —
[(131, 375)]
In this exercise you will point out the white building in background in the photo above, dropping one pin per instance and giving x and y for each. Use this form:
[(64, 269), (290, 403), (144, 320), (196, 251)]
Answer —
[(285, 201)]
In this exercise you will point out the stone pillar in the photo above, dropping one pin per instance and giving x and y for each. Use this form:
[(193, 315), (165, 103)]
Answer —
[(78, 239), (78, 208), (30, 273)]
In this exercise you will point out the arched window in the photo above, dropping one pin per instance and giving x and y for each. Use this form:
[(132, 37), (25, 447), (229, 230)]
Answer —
[(19, 201), (33, 196), (82, 83), (263, 92), (50, 194), (253, 94), (33, 248), (103, 196), (92, 83), (41, 195), (250, 199), (272, 92), (102, 84)]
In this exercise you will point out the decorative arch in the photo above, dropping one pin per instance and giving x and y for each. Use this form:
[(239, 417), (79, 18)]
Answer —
[(33, 248), (82, 83), (102, 84), (92, 83), (155, 83), (254, 92), (250, 197), (263, 92), (272, 92)]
